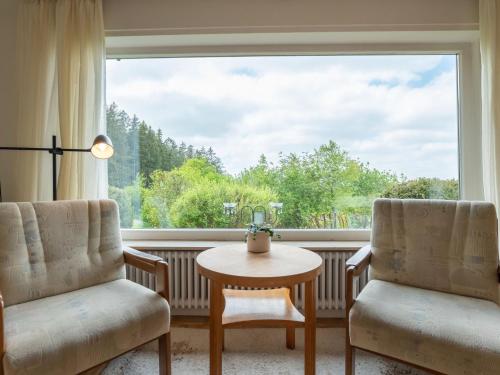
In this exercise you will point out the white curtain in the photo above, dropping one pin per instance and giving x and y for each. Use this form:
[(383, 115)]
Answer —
[(490, 99), (61, 92), (37, 92)]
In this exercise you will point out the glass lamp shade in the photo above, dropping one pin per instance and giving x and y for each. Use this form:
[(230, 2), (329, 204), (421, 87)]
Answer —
[(277, 206), (229, 208), (102, 148), (259, 217)]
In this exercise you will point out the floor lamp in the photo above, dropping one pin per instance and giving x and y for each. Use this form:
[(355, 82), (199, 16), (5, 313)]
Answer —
[(102, 148)]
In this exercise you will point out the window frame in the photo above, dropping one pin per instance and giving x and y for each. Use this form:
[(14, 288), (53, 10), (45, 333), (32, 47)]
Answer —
[(464, 44)]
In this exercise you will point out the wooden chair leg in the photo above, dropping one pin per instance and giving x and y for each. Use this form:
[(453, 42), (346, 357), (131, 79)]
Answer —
[(290, 331), (165, 354), (350, 361), (290, 337), (223, 339)]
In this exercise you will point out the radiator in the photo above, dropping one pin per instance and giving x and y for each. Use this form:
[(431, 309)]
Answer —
[(189, 290)]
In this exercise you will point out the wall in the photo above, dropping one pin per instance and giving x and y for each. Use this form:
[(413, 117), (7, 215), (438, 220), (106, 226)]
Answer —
[(8, 102), (184, 16)]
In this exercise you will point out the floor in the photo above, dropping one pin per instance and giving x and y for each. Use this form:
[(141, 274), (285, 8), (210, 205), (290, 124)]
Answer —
[(253, 352)]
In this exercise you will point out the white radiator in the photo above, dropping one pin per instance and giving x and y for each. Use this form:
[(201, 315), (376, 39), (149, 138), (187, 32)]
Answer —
[(189, 290)]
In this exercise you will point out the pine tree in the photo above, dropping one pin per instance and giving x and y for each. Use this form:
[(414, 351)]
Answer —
[(140, 150)]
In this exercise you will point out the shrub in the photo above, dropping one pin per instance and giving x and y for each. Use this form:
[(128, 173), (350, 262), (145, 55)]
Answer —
[(202, 205), (424, 188)]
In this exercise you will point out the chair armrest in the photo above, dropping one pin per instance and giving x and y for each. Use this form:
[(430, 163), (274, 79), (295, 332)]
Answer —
[(152, 264), (359, 261), (354, 266), (498, 273), (142, 260), (162, 279)]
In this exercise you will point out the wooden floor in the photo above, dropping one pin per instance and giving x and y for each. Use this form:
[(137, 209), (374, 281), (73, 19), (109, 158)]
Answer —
[(186, 321)]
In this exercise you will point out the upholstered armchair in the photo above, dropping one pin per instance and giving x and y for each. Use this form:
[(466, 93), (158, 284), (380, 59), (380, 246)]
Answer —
[(66, 305), (433, 295)]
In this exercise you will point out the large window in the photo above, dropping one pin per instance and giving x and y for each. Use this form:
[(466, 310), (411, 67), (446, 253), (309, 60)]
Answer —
[(307, 141)]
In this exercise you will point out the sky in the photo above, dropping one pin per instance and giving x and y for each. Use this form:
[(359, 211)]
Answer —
[(398, 113)]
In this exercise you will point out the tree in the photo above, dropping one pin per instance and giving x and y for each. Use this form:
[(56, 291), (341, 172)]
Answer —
[(164, 184), (318, 188), (139, 149), (126, 212)]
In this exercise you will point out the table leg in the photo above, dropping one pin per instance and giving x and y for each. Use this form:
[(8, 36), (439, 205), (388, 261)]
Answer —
[(310, 328), (290, 331), (216, 333)]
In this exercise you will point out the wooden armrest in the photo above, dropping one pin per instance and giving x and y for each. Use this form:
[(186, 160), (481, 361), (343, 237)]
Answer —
[(139, 259), (152, 264), (354, 266), (359, 261)]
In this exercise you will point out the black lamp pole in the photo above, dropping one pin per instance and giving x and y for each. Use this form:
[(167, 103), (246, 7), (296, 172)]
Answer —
[(54, 151)]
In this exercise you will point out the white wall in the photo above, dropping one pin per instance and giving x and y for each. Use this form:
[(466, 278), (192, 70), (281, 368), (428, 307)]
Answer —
[(184, 16)]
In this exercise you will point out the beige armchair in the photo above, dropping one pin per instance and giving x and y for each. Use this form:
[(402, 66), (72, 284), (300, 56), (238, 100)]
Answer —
[(66, 305), (433, 296)]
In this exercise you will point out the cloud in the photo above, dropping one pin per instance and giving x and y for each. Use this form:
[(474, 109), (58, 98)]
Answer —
[(398, 113)]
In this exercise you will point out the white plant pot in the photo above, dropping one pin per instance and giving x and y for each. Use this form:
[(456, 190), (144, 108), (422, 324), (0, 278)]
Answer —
[(258, 243)]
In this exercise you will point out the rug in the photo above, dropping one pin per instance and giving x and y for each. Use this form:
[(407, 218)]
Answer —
[(253, 352)]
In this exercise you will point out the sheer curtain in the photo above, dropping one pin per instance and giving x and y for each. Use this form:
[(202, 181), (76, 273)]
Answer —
[(37, 91), (490, 97), (61, 91), (81, 67)]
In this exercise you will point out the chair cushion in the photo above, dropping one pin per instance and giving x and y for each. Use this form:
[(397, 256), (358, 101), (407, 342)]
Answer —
[(48, 248), (74, 331), (447, 246), (439, 331)]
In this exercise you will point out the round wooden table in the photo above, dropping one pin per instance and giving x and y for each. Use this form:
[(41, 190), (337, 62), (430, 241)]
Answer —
[(281, 268)]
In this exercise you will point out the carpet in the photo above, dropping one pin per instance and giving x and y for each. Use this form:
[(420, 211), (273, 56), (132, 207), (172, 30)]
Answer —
[(253, 352)]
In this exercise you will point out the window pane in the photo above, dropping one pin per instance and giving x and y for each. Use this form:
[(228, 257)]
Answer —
[(300, 141)]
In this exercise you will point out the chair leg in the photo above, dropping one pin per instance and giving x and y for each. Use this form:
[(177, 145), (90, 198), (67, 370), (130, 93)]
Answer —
[(290, 331), (223, 339), (165, 354), (290, 337), (350, 361)]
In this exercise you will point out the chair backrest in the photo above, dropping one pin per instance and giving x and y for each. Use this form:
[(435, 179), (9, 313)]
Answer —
[(49, 248), (448, 246)]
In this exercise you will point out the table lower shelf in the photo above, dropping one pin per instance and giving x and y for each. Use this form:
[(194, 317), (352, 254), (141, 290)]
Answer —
[(260, 308)]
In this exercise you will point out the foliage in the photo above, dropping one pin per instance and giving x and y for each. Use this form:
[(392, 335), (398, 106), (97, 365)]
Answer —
[(125, 204), (141, 150), (201, 206), (129, 200), (424, 188), (253, 229), (315, 186), (161, 184), (167, 187)]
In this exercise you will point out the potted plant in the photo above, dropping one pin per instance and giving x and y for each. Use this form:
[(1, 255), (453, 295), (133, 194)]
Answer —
[(258, 238)]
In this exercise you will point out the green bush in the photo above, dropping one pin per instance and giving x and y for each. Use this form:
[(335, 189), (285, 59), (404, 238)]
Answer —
[(202, 205), (424, 188), (166, 187)]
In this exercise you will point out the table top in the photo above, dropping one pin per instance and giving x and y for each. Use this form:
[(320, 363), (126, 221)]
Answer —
[(282, 265)]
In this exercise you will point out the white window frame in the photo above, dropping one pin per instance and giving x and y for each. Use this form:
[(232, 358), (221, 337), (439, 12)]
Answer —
[(465, 44)]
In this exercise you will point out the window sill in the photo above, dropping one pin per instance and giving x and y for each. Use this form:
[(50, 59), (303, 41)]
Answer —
[(211, 235), (159, 245)]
